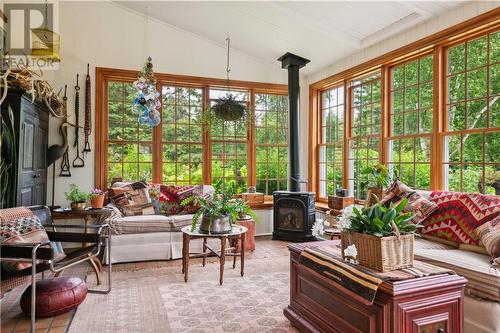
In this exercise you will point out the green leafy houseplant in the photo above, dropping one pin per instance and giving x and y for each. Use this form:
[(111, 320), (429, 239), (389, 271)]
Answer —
[(381, 221), (77, 198), (377, 175), (222, 204)]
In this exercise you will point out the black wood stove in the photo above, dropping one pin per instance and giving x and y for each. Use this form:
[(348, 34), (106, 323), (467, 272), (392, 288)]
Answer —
[(294, 211)]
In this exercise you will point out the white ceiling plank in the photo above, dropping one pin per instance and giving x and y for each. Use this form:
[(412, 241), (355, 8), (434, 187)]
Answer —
[(323, 31), (334, 33)]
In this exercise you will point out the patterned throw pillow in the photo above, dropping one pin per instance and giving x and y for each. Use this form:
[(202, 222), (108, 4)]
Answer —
[(169, 199), (26, 229), (420, 206), (489, 234), (171, 196), (459, 214), (132, 199), (396, 192)]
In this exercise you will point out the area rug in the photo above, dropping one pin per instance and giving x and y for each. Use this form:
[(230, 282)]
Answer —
[(158, 300)]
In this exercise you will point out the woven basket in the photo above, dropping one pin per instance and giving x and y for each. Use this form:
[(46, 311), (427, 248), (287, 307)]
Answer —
[(380, 253)]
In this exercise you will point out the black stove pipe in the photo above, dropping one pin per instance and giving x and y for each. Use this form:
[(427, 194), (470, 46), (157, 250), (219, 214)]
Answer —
[(293, 63)]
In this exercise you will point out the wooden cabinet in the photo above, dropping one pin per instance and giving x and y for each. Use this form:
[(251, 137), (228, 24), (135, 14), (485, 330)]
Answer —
[(431, 304), (27, 124)]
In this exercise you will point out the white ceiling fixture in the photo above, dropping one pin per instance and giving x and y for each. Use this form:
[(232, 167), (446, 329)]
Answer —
[(324, 32)]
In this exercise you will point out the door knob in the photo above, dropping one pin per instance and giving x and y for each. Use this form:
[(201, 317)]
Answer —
[(34, 175)]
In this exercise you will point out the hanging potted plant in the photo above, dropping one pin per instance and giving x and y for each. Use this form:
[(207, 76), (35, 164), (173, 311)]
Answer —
[(382, 236), (228, 108)]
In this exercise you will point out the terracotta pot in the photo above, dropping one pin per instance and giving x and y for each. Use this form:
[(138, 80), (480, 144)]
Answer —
[(97, 202), (78, 206)]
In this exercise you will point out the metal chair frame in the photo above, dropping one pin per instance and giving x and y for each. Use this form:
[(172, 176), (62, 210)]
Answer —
[(52, 264)]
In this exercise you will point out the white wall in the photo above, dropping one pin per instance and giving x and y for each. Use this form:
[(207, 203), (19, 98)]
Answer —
[(107, 35), (459, 14)]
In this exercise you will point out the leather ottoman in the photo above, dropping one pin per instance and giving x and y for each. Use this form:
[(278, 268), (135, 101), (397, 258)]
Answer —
[(55, 296)]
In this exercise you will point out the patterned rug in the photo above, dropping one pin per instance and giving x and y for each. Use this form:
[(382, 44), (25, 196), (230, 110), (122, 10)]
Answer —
[(158, 300)]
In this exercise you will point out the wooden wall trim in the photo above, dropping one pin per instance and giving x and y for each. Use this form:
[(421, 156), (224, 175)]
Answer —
[(120, 74), (105, 75)]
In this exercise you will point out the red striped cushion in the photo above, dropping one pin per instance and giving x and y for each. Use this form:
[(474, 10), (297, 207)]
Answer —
[(459, 214)]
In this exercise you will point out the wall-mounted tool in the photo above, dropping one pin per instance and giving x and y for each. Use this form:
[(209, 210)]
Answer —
[(65, 171), (87, 129), (78, 162)]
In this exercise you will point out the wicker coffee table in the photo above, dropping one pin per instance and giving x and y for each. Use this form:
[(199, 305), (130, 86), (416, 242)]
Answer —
[(236, 234)]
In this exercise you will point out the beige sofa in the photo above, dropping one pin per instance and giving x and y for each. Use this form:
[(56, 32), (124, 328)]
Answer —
[(482, 293), (149, 237)]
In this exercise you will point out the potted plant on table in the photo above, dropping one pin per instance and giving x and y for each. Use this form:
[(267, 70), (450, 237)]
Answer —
[(77, 198), (383, 236), (377, 179), (218, 213), (97, 198)]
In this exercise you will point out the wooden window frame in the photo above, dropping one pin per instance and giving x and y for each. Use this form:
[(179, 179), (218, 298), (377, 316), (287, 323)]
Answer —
[(175, 143), (324, 142), (436, 44), (267, 145), (372, 78), (413, 136), (446, 132), (106, 75)]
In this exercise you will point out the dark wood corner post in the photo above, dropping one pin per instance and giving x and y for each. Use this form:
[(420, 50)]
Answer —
[(293, 63)]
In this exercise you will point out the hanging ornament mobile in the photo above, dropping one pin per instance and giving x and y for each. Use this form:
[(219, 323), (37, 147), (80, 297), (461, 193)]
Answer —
[(147, 102)]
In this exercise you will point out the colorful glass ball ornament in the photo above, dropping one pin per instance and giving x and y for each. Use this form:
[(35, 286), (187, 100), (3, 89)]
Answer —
[(147, 102)]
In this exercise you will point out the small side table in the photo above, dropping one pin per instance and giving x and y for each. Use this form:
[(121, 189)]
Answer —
[(87, 215), (238, 233)]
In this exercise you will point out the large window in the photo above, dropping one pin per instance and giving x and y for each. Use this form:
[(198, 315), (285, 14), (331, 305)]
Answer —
[(182, 149), (271, 142), (411, 121), (472, 141), (229, 145), (364, 143), (130, 147), (332, 141), (430, 111)]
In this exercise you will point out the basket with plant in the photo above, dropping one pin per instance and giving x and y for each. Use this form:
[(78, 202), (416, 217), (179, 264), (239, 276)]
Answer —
[(383, 236)]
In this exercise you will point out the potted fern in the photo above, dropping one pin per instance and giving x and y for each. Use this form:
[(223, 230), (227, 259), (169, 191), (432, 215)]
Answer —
[(218, 213), (383, 236)]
